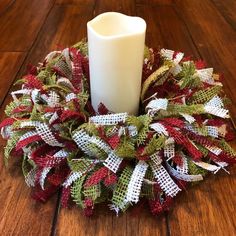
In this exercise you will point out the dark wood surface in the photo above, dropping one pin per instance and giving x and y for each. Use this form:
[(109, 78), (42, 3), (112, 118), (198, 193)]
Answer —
[(206, 29)]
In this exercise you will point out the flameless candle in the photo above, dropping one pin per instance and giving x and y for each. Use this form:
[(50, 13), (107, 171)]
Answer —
[(116, 48)]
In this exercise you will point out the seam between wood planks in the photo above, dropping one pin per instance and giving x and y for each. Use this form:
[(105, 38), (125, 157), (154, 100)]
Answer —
[(199, 54), (7, 7), (223, 15), (56, 214), (58, 208), (26, 56)]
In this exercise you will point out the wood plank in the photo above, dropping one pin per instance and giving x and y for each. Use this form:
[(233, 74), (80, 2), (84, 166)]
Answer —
[(4, 5), (65, 26), (104, 221), (99, 224), (228, 10), (124, 6), (208, 208), (153, 33), (144, 223), (166, 30), (10, 63), (19, 213), (19, 27), (155, 2), (74, 2), (214, 38), (182, 219)]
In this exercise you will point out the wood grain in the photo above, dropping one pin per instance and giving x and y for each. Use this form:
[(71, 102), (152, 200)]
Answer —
[(30, 29), (166, 30), (191, 216), (20, 24), (19, 213), (123, 6), (205, 203), (155, 2), (4, 5), (228, 10), (208, 208), (214, 38), (65, 26), (75, 2), (10, 63), (104, 222)]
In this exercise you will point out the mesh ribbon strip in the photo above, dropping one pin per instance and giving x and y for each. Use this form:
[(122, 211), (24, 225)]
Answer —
[(51, 55), (188, 118), (167, 53), (164, 180), (169, 148), (6, 132), (26, 141), (111, 119), (66, 192), (159, 128), (156, 105), (63, 69), (53, 99), (66, 82), (113, 162), (101, 144), (216, 101), (135, 182), (72, 178), (96, 177), (53, 118), (212, 131), (184, 168), (28, 135), (33, 124), (182, 176), (206, 95), (206, 75), (207, 166), (43, 176), (21, 91), (61, 154), (119, 195), (81, 138), (47, 135), (221, 112), (70, 97), (30, 178), (156, 159), (214, 150)]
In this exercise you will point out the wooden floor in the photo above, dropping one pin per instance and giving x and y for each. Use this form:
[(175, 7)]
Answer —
[(206, 29)]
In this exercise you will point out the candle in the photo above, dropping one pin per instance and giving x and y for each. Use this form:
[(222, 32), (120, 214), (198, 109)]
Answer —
[(116, 48)]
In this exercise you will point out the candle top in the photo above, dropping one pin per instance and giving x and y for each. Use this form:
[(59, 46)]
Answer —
[(114, 25)]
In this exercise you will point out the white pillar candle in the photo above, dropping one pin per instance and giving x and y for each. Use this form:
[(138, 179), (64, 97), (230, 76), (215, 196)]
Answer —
[(116, 48)]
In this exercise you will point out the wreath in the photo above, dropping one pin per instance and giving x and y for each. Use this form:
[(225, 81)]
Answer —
[(180, 135)]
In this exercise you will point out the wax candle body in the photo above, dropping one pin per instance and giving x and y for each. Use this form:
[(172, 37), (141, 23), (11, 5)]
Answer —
[(116, 47)]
